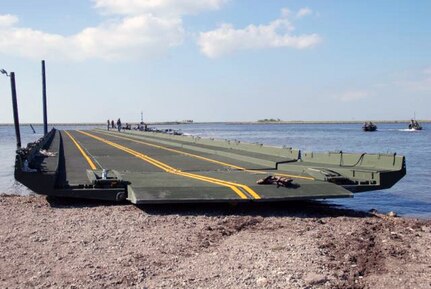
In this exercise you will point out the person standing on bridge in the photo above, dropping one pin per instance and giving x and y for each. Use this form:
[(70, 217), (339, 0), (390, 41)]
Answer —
[(119, 125), (108, 123)]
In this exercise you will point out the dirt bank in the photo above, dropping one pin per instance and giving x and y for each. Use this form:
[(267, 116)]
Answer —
[(68, 244)]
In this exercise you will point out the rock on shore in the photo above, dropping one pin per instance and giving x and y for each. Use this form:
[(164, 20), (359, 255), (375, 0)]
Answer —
[(49, 243)]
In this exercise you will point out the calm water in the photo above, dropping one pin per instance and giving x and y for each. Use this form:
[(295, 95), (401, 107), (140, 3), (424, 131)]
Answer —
[(410, 197)]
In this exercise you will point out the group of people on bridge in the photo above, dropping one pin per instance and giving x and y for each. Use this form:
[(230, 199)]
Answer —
[(111, 124)]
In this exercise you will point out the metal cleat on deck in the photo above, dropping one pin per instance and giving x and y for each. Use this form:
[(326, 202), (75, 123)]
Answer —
[(106, 179)]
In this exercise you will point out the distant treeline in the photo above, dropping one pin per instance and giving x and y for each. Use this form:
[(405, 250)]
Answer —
[(269, 120)]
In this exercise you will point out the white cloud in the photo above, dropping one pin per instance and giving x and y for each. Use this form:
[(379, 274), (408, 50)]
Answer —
[(145, 28), (353, 95), (136, 36), (226, 39), (303, 12), (8, 20), (157, 7)]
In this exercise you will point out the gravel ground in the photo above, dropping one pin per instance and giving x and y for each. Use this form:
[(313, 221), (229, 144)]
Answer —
[(53, 243)]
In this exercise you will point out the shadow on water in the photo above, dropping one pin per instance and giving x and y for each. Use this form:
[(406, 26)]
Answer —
[(299, 209)]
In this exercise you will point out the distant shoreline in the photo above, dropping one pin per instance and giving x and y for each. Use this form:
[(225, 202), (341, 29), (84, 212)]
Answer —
[(235, 122)]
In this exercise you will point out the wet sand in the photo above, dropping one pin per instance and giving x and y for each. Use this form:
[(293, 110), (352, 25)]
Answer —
[(52, 243)]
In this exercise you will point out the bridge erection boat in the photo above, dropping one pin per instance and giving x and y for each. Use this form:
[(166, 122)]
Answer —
[(369, 126), (147, 167), (414, 125)]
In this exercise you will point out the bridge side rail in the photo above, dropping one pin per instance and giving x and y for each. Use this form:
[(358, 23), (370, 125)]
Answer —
[(36, 166)]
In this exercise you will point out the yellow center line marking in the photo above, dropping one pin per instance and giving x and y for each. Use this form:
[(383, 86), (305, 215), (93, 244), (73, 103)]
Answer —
[(172, 170), (249, 190), (168, 168), (244, 187), (90, 162), (208, 159)]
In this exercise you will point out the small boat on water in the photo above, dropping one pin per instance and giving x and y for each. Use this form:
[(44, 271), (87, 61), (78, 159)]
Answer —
[(369, 126), (414, 125)]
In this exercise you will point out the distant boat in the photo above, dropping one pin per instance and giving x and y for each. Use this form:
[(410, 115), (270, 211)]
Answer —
[(414, 125), (369, 126)]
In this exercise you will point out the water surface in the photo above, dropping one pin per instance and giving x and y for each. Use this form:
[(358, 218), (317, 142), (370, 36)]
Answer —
[(410, 197)]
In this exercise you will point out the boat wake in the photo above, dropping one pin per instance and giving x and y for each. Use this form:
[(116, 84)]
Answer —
[(407, 129)]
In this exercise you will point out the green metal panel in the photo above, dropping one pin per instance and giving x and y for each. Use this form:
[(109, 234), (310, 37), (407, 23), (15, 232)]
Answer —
[(145, 167)]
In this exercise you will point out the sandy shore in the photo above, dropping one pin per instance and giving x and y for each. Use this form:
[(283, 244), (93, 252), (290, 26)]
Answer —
[(70, 244)]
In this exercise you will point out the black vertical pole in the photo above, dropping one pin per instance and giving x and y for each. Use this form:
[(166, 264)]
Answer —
[(15, 109), (45, 116)]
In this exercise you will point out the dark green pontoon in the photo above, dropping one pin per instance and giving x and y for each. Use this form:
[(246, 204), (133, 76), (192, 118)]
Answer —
[(149, 167)]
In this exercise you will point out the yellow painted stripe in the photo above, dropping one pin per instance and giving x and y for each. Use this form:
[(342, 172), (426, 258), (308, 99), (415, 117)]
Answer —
[(168, 168), (90, 162), (244, 187), (176, 151), (249, 190), (174, 171), (207, 159)]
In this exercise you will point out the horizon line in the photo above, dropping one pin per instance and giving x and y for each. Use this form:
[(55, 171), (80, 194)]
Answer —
[(229, 122)]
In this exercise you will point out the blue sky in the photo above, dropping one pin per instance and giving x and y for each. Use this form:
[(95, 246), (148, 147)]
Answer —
[(217, 60)]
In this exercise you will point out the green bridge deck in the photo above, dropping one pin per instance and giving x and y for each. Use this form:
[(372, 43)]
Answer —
[(147, 167)]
